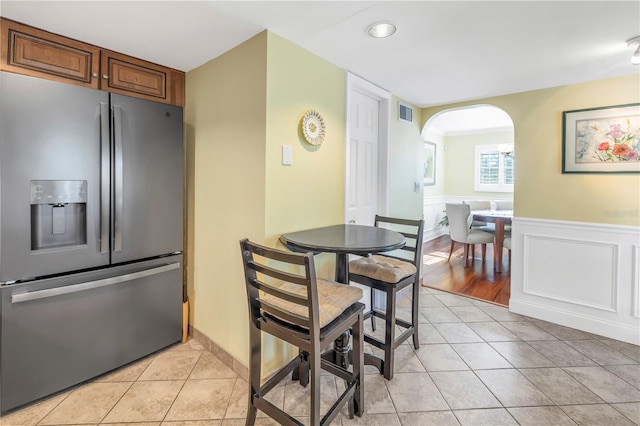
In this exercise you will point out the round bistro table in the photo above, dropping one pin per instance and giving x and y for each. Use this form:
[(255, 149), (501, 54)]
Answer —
[(344, 240)]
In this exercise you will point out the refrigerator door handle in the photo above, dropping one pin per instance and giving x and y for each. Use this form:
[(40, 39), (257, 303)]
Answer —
[(105, 154), (118, 165), (51, 292)]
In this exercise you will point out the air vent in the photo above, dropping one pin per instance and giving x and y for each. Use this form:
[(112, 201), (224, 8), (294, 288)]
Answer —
[(405, 112)]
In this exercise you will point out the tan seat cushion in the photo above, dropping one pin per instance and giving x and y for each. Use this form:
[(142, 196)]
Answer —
[(382, 268), (333, 299)]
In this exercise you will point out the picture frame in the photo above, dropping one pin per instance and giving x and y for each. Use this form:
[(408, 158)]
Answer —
[(429, 163), (601, 140)]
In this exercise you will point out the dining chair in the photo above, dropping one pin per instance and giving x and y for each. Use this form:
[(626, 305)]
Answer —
[(478, 205), (390, 273), (459, 220), (503, 204), (506, 243), (288, 301)]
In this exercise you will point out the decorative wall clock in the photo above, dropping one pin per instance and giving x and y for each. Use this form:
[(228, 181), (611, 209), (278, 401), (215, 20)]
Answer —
[(313, 127)]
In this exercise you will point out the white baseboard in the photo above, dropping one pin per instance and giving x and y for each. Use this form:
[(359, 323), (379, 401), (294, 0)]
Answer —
[(601, 327), (431, 234)]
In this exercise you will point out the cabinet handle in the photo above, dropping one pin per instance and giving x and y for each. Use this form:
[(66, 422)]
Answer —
[(105, 76), (105, 148), (118, 178), (94, 75)]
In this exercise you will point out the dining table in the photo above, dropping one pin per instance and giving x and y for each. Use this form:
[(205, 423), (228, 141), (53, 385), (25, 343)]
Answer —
[(500, 218), (343, 240)]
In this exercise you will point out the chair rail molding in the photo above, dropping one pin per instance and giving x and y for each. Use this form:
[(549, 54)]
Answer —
[(580, 275)]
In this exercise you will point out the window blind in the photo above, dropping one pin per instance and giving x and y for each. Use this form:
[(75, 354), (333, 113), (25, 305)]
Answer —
[(489, 168)]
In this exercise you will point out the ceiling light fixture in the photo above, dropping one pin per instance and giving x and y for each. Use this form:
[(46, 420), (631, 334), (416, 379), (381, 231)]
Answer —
[(635, 42), (506, 150), (381, 29)]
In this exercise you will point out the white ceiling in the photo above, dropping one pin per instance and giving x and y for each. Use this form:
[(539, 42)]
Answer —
[(443, 51)]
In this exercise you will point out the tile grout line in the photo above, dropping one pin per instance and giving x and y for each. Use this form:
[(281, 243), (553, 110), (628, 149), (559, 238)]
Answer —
[(182, 387), (554, 364), (224, 416)]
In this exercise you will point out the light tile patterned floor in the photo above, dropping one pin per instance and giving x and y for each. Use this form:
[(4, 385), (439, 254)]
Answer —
[(477, 364)]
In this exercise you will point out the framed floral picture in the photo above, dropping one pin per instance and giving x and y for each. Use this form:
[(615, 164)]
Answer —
[(429, 163), (601, 140)]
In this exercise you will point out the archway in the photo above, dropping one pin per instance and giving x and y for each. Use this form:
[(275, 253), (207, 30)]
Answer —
[(474, 162)]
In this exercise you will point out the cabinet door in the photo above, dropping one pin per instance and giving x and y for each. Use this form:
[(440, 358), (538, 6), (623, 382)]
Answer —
[(27, 50), (134, 77)]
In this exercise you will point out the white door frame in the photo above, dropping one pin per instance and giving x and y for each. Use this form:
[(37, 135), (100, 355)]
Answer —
[(358, 84)]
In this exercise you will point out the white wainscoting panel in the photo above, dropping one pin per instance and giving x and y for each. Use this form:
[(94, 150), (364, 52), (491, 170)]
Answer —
[(581, 275), (558, 268), (433, 211)]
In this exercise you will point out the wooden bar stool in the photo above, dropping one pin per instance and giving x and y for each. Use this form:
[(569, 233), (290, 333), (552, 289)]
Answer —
[(389, 274), (286, 300)]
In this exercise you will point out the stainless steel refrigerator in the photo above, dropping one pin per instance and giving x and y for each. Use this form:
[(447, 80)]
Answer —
[(91, 187)]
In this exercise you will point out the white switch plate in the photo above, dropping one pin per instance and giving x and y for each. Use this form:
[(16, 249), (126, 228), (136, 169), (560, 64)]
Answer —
[(286, 155)]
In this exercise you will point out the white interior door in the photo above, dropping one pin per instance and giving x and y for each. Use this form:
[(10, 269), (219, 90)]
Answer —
[(366, 159), (363, 160), (366, 175)]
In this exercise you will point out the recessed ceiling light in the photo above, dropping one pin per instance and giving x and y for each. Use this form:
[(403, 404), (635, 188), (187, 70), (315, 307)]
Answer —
[(381, 29)]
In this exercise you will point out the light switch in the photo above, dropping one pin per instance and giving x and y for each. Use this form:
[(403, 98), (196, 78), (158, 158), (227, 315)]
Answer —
[(286, 155)]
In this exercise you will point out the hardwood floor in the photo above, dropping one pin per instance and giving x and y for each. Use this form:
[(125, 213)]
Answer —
[(477, 279)]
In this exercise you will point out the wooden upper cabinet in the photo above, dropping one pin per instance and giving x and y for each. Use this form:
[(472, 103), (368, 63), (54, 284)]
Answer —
[(126, 75), (30, 51)]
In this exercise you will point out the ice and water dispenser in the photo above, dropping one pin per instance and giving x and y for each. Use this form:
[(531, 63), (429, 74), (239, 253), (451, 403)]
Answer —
[(58, 213)]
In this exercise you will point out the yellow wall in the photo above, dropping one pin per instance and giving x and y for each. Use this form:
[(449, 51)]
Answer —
[(226, 122), (541, 190), (459, 162), (240, 109), (310, 192), (406, 165)]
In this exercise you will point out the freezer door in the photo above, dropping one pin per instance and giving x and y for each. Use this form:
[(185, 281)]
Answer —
[(60, 332), (147, 179), (52, 198)]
